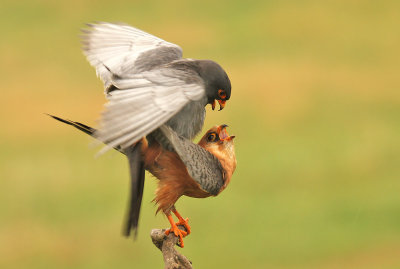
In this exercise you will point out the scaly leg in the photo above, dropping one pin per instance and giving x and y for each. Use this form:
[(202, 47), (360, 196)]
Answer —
[(182, 221), (174, 228)]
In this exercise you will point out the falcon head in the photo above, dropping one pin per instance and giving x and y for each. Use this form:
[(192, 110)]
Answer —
[(216, 81), (217, 137), (219, 143)]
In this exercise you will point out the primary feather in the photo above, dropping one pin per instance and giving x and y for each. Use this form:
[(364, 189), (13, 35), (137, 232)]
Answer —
[(143, 103), (119, 49)]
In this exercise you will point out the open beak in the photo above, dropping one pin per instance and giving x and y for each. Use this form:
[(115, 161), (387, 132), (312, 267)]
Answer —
[(213, 105), (223, 134), (229, 138), (221, 104)]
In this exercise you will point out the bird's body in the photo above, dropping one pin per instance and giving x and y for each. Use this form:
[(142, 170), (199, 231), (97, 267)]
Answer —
[(174, 179), (148, 85), (189, 128), (173, 174), (177, 178)]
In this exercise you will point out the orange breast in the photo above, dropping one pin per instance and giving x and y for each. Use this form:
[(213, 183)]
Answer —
[(175, 180), (226, 156)]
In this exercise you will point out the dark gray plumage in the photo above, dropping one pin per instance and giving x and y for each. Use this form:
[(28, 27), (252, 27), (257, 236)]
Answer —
[(202, 166)]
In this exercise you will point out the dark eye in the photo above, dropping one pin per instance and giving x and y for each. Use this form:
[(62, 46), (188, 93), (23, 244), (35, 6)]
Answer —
[(222, 94), (211, 137)]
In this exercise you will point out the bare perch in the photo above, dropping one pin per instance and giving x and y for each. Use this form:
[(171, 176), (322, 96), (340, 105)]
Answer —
[(172, 258)]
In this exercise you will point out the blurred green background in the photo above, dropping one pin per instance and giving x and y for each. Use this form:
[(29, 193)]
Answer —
[(315, 108)]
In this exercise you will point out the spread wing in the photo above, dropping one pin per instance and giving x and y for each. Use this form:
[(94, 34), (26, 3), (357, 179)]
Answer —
[(118, 49), (143, 102), (141, 96), (202, 166)]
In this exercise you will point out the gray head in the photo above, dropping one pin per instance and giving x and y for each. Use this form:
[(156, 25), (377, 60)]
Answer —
[(216, 81)]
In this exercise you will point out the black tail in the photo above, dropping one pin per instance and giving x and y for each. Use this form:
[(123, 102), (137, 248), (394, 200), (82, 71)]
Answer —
[(84, 128), (136, 167)]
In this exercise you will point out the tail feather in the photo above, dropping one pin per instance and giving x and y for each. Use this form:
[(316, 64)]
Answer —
[(136, 166), (84, 128), (137, 173)]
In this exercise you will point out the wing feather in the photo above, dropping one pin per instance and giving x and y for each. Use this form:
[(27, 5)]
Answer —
[(143, 103), (116, 49), (202, 166), (146, 94)]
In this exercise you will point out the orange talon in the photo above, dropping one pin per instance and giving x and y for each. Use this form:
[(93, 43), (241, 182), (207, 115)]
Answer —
[(178, 232), (182, 221)]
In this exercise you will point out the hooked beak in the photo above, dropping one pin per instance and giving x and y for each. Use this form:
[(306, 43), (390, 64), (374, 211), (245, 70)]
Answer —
[(221, 104), (213, 105)]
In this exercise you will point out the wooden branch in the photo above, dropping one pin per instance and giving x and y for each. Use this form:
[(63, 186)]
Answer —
[(172, 258)]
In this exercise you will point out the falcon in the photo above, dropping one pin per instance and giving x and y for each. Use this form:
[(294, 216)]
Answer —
[(195, 170), (148, 84)]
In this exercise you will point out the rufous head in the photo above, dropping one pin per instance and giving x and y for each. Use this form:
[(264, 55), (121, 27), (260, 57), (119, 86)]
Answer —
[(217, 138), (218, 142)]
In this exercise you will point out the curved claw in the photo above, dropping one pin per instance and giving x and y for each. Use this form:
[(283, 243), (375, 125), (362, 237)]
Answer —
[(178, 233), (184, 223)]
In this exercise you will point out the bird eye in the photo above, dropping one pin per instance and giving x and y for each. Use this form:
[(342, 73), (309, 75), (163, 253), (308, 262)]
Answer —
[(211, 137), (222, 94)]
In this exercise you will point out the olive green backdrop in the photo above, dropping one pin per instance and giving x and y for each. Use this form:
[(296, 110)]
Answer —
[(315, 108)]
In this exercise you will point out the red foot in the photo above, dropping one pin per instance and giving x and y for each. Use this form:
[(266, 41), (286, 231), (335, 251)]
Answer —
[(178, 233), (174, 228), (184, 223)]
